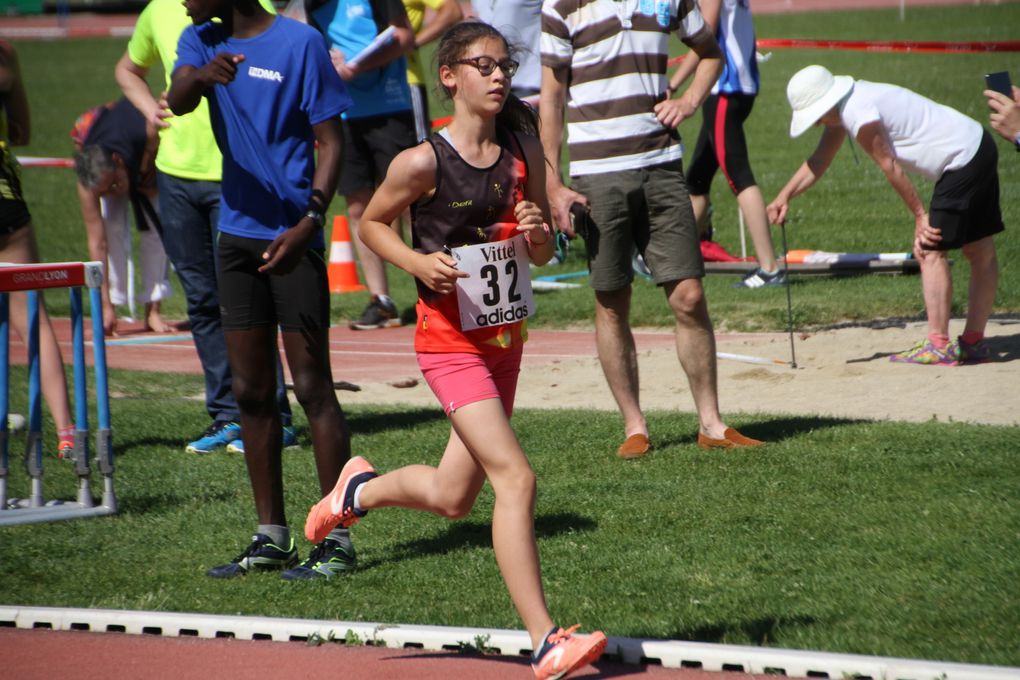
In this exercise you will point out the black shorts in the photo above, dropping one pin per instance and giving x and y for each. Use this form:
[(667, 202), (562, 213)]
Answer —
[(13, 210), (369, 145), (721, 144), (296, 302), (965, 202)]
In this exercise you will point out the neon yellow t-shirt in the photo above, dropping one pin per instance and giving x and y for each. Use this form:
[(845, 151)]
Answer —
[(416, 16), (187, 148)]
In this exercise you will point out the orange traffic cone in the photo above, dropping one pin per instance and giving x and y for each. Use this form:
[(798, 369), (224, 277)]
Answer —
[(343, 274)]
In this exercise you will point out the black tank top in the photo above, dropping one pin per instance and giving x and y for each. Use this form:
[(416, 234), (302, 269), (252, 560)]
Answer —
[(470, 206)]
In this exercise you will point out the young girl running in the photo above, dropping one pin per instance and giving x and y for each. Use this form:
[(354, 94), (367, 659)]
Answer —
[(477, 196)]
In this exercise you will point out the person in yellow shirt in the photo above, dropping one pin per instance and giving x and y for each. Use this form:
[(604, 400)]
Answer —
[(447, 13), (189, 167)]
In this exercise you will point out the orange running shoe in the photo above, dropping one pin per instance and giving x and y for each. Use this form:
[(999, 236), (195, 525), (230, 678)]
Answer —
[(562, 653), (337, 509)]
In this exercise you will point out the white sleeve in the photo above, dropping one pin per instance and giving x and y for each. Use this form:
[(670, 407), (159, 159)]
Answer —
[(857, 112)]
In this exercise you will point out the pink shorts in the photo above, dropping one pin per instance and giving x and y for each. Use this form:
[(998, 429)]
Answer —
[(459, 378)]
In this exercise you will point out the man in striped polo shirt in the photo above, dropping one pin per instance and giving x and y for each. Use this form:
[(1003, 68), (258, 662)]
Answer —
[(604, 66)]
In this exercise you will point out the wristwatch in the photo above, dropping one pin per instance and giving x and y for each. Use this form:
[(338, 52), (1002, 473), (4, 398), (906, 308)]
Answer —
[(1016, 141), (317, 217)]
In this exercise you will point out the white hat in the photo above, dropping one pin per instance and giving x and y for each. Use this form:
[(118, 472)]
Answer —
[(812, 91)]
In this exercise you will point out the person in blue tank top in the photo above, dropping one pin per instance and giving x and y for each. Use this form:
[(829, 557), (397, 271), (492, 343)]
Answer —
[(721, 143), (273, 95)]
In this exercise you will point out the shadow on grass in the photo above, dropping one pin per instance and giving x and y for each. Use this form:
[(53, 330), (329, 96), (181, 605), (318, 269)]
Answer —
[(134, 504), (469, 534), (771, 431), (370, 422), (759, 632)]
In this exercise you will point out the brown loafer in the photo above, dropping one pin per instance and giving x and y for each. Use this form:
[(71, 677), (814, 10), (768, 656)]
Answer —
[(634, 446), (731, 440)]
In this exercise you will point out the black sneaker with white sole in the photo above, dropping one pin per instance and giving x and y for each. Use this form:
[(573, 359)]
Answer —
[(380, 313), (261, 555), (326, 560)]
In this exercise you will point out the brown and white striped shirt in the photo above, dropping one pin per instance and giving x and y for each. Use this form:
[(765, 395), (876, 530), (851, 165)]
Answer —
[(616, 51)]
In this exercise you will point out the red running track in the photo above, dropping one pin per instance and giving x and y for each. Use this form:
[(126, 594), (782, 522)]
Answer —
[(357, 356), (46, 655)]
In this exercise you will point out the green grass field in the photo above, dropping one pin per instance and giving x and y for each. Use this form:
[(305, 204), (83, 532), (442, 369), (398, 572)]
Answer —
[(842, 535), (852, 209)]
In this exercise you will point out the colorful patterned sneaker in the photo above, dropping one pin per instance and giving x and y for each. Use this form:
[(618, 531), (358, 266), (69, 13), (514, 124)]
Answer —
[(326, 560), (219, 434), (562, 653), (760, 278), (378, 314), (261, 555), (924, 352), (976, 353), (289, 441), (337, 509)]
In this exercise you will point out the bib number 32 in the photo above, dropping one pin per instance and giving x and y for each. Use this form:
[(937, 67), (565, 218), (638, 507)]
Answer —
[(498, 290)]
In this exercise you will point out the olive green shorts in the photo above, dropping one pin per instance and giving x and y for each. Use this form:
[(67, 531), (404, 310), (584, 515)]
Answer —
[(647, 211)]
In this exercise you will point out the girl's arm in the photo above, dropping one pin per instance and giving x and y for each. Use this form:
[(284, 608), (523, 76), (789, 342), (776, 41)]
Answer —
[(533, 212), (411, 175)]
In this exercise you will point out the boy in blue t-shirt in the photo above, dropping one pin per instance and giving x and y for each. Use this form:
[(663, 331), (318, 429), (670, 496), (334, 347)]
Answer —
[(273, 94)]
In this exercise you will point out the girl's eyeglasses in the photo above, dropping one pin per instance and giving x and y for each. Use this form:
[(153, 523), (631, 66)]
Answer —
[(486, 65)]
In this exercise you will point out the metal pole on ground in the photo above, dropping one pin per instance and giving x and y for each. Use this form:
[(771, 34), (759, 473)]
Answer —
[(789, 299)]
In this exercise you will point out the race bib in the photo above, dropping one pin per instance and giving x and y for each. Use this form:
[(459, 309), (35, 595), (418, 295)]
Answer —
[(498, 290)]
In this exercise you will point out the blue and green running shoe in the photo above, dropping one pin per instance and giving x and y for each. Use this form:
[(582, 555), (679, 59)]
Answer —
[(261, 555), (289, 441), (219, 434), (326, 560)]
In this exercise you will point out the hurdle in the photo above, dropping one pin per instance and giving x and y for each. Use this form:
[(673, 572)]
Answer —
[(31, 279)]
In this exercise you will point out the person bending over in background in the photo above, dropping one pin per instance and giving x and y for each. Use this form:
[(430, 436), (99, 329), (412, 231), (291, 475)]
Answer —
[(113, 159), (902, 131)]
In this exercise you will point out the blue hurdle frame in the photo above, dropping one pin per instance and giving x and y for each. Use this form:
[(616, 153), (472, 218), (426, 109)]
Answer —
[(36, 508)]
